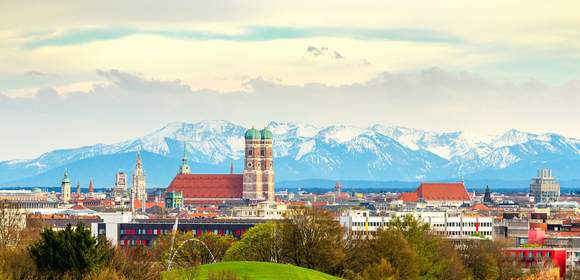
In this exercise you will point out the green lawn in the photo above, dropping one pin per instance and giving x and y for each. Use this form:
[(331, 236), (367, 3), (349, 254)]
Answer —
[(253, 271)]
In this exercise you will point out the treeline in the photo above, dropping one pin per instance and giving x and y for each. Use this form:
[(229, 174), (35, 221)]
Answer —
[(309, 238)]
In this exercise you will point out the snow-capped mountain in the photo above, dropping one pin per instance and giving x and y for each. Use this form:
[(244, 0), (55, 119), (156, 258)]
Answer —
[(304, 151)]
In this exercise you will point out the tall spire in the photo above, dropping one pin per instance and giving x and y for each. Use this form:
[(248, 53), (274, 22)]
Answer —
[(184, 168), (231, 166), (139, 163), (78, 188), (91, 188)]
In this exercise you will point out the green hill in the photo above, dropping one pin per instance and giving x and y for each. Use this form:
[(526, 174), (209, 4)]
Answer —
[(253, 271)]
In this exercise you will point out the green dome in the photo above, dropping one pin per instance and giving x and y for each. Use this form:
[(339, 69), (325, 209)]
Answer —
[(36, 190), (266, 134), (253, 134)]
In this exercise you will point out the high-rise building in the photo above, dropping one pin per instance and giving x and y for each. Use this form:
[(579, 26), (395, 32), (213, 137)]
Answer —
[(65, 188), (138, 188), (544, 187), (120, 182)]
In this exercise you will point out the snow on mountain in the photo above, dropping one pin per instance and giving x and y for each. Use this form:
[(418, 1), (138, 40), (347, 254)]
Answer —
[(304, 151)]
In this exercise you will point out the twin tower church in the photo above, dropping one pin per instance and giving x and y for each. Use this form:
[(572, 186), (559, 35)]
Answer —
[(256, 183)]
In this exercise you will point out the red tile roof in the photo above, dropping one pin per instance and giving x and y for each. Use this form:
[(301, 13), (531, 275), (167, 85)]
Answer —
[(437, 192), (199, 186), (408, 197), (443, 191)]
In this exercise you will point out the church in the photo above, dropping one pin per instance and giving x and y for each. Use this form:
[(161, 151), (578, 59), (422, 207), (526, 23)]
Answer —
[(256, 183)]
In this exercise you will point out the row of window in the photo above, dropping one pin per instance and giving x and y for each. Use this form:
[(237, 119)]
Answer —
[(531, 254), (450, 224), (198, 232), (464, 233)]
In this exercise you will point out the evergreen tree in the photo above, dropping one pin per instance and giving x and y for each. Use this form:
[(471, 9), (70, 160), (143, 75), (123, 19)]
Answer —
[(71, 251)]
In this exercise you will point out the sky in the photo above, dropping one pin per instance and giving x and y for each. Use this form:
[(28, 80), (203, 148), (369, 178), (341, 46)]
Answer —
[(75, 73)]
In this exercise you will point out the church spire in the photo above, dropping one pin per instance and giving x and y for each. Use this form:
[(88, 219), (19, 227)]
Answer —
[(184, 168)]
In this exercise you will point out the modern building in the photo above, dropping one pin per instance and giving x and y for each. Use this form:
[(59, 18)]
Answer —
[(120, 182), (450, 224), (144, 232), (65, 194), (544, 187), (539, 258), (256, 183), (438, 194)]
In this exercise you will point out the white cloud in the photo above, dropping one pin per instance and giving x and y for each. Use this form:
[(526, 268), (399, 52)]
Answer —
[(432, 99)]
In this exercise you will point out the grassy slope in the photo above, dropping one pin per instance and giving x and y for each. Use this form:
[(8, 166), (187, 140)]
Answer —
[(256, 271)]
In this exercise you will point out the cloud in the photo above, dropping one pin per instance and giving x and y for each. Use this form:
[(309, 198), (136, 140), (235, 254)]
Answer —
[(324, 52), (436, 99), (246, 34), (41, 74), (135, 83)]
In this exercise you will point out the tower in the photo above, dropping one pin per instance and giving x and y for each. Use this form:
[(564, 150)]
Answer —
[(544, 187), (65, 188), (138, 190), (487, 196), (252, 182), (78, 189), (266, 157), (184, 168), (91, 188)]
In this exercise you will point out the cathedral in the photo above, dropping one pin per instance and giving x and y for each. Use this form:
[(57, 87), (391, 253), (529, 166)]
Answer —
[(256, 183)]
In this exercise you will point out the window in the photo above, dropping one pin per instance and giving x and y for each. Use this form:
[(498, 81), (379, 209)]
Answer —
[(250, 152), (249, 164), (262, 152)]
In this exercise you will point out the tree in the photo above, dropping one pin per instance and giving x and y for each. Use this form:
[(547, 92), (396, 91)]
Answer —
[(136, 263), (311, 238), (382, 270), (260, 243), (190, 251), (486, 259), (437, 257), (12, 222), (70, 251)]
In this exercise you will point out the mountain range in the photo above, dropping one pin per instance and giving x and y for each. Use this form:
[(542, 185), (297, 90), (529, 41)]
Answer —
[(302, 151)]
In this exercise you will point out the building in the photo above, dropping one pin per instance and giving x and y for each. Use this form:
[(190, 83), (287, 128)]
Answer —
[(487, 196), (256, 183), (438, 194), (265, 210), (144, 232), (138, 187), (258, 165), (539, 258), (453, 225), (120, 182), (65, 188), (173, 200), (544, 187)]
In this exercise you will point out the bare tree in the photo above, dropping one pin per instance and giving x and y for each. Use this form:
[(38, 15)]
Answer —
[(12, 222)]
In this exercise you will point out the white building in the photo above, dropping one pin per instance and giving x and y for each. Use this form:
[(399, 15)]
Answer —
[(264, 210), (453, 225)]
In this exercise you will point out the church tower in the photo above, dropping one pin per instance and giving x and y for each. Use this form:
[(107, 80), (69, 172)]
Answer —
[(184, 168), (138, 190), (65, 188), (258, 165), (252, 186), (266, 157)]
